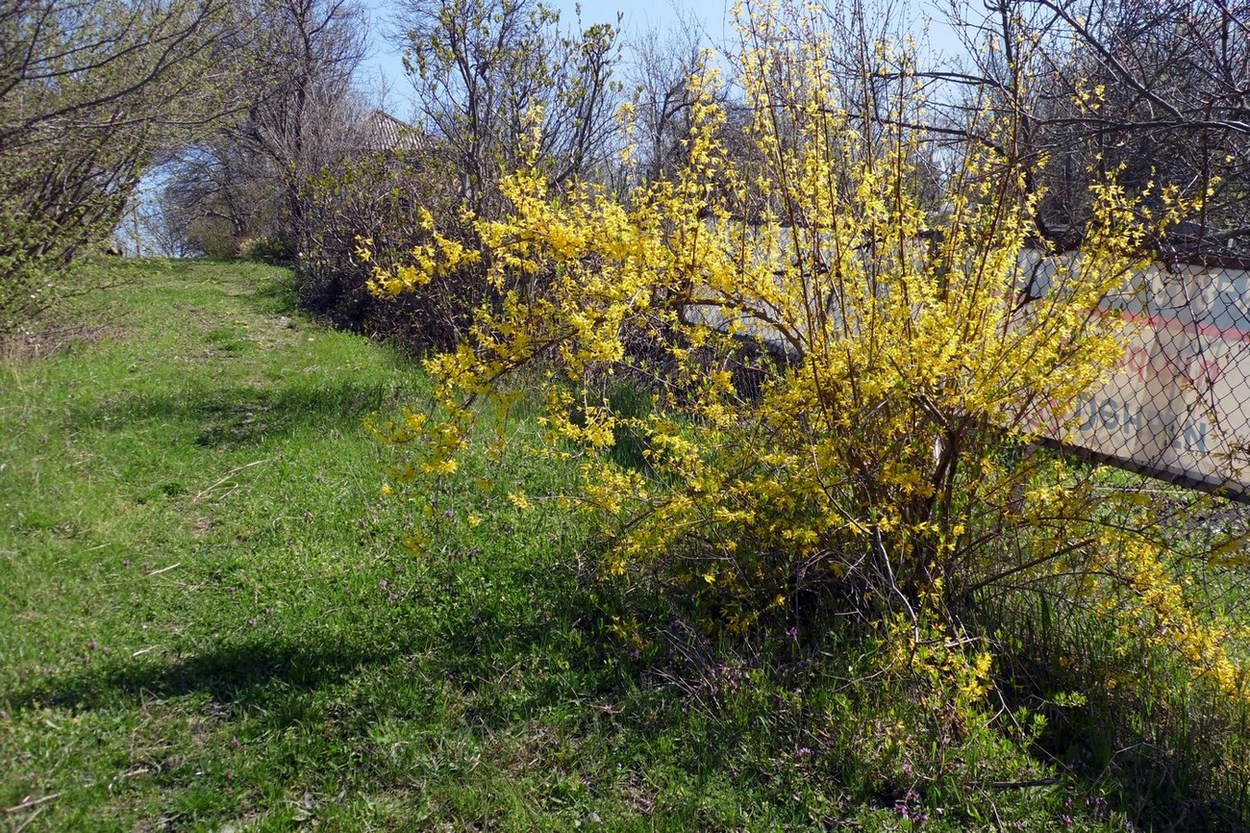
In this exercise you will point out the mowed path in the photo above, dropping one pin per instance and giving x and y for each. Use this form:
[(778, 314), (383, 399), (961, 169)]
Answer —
[(208, 619)]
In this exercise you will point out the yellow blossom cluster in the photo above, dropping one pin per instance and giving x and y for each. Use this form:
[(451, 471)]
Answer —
[(846, 376)]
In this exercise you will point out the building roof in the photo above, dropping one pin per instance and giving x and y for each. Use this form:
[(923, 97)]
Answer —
[(381, 132)]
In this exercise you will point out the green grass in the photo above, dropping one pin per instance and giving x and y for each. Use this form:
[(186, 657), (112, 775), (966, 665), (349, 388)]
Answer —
[(209, 621)]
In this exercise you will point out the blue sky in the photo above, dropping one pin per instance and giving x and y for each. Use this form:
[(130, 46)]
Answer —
[(637, 17), (385, 60)]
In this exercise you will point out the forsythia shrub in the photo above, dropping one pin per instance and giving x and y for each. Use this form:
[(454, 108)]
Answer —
[(884, 466)]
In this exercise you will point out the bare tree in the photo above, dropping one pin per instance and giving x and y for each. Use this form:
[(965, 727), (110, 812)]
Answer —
[(1158, 93), (663, 65), (497, 80), (92, 93), (218, 193), (307, 60), (295, 78)]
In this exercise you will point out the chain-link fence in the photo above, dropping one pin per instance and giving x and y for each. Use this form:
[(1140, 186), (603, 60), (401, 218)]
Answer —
[(1178, 405)]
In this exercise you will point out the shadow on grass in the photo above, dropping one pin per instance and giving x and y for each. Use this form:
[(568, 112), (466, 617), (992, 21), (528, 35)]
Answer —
[(470, 645), (243, 415), (244, 672)]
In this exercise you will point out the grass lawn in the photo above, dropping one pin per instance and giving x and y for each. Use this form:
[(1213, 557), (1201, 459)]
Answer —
[(209, 620)]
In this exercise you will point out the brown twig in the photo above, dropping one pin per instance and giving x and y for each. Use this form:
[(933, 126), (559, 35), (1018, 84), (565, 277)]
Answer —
[(31, 802)]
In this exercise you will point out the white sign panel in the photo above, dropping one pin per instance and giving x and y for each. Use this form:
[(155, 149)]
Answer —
[(1178, 404)]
